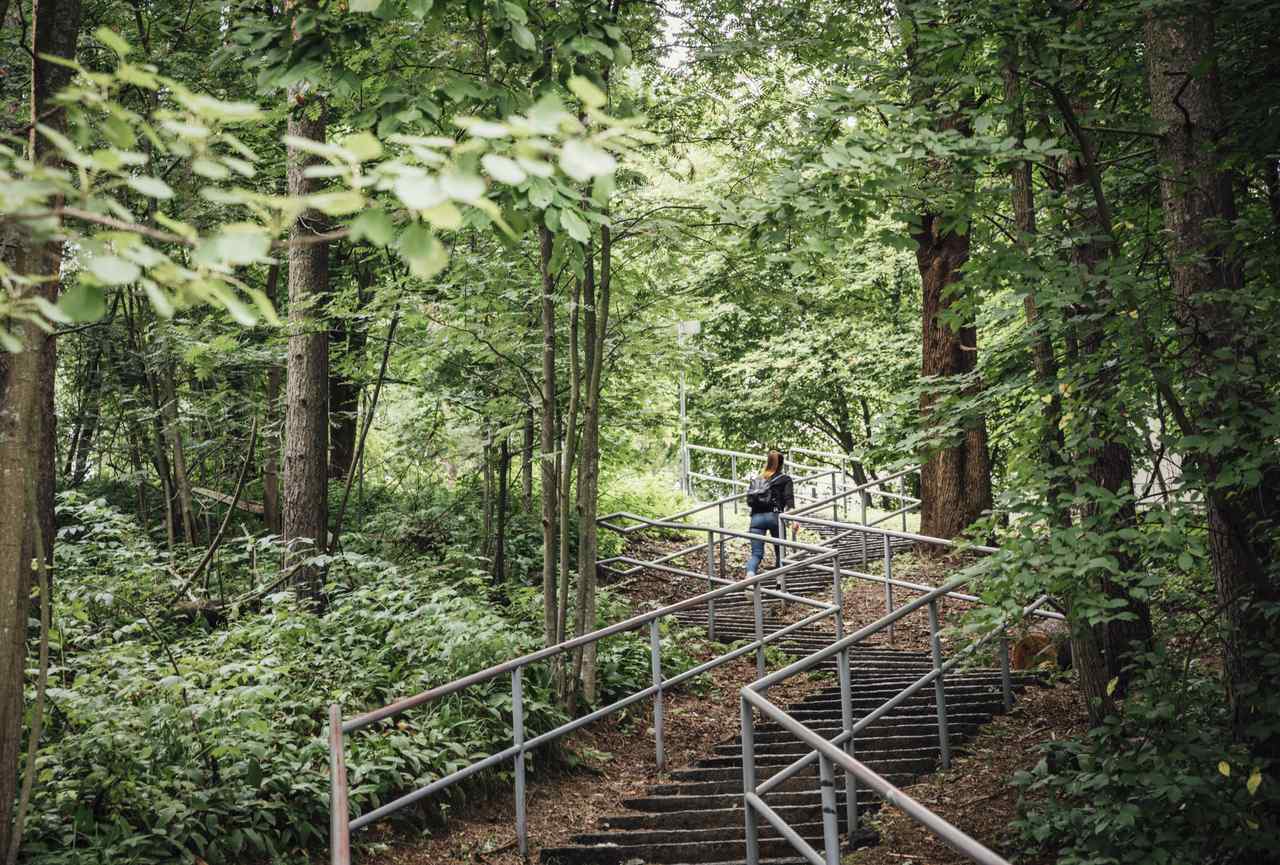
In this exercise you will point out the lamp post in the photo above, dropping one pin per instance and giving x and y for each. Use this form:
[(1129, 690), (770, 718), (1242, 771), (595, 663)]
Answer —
[(684, 329)]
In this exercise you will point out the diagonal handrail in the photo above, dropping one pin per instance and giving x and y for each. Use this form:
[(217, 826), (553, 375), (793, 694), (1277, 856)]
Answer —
[(838, 752), (341, 823)]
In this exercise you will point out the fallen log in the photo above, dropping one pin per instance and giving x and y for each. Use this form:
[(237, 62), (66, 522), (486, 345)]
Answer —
[(223, 498)]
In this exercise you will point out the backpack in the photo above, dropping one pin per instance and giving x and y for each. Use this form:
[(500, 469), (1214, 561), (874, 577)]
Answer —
[(760, 495)]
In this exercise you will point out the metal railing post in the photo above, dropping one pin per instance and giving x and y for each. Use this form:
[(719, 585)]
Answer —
[(711, 585), (846, 697), (749, 783), (830, 822), (865, 536), (902, 491), (517, 731), (888, 586), (1005, 684), (939, 686), (779, 554), (835, 503), (720, 509), (733, 472), (759, 617), (339, 817), (655, 659)]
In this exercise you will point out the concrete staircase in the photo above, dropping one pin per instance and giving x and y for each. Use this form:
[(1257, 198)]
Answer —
[(695, 815)]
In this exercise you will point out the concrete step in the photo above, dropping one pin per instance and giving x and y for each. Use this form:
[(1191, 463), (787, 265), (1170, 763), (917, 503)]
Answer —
[(731, 817)]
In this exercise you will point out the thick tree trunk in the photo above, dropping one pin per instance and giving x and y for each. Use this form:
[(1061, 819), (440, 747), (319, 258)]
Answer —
[(305, 517), (272, 428), (956, 478), (549, 481), (1243, 497), (27, 417)]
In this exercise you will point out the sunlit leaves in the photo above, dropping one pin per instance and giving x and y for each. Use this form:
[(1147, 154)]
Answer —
[(503, 169), (113, 270), (83, 302), (582, 160)]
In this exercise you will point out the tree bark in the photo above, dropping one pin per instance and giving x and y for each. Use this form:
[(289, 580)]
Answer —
[(271, 428), (956, 478), (305, 517), (27, 415), (569, 454), (1242, 489), (596, 320), (173, 429), (549, 482)]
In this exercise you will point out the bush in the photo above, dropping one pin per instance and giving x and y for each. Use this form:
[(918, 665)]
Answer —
[(170, 742), (1158, 783)]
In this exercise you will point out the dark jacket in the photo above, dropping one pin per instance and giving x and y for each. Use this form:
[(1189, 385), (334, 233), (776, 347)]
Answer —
[(784, 495)]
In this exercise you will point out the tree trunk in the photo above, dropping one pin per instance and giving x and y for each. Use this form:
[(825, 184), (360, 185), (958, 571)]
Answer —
[(596, 320), (1243, 497), (549, 483), (526, 464), (1050, 445), (27, 416), (351, 335), (182, 483), (487, 509), (500, 534), (569, 453), (88, 414), (271, 428), (956, 478), (305, 517)]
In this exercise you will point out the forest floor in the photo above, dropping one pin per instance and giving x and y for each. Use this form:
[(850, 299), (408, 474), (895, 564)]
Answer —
[(613, 759)]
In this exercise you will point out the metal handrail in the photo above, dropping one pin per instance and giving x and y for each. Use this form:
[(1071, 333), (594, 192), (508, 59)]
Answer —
[(839, 751), (340, 823)]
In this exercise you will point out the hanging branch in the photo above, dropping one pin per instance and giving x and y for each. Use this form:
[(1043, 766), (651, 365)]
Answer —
[(364, 432)]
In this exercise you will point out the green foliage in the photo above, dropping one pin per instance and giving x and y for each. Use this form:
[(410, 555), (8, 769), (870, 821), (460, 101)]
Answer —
[(1157, 784), (167, 742)]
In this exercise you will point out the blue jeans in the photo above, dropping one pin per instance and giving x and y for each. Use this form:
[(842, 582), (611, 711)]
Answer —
[(763, 524)]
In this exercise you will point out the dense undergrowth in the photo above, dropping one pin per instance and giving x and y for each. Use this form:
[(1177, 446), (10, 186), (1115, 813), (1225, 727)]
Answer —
[(171, 736)]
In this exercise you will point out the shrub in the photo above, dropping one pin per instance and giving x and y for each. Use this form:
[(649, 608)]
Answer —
[(1158, 783)]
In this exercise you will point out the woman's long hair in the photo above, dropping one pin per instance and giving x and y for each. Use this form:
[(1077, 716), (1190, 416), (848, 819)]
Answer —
[(773, 465)]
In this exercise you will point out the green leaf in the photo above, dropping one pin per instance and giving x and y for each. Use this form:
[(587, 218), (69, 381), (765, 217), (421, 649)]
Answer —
[(1254, 782), (575, 225), (462, 187), (339, 203), (210, 169), (83, 302), (112, 40), (591, 95), (364, 146), (420, 8), (1112, 685), (503, 169), (419, 192), (424, 254), (152, 187), (364, 5), (583, 161), (1224, 768), (373, 225), (113, 270), (541, 194), (444, 216), (524, 37)]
